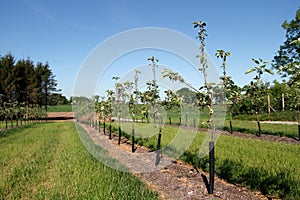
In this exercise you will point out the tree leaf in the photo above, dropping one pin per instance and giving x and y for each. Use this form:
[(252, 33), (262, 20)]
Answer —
[(250, 70), (256, 61), (269, 71)]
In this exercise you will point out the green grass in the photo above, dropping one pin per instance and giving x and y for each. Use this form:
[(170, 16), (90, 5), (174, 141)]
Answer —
[(9, 124), (274, 116), (269, 167), (48, 161), (241, 123), (60, 108), (2, 125), (246, 124), (192, 120), (286, 130)]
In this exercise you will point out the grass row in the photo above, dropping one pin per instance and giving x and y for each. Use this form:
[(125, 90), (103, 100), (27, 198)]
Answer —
[(48, 161), (60, 108), (274, 116), (286, 130), (269, 167), (242, 123)]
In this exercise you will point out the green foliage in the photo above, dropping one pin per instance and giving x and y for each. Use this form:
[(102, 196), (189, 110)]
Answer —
[(287, 59), (171, 100), (84, 107), (223, 55), (107, 106), (259, 69), (57, 166), (256, 89), (22, 82), (201, 37)]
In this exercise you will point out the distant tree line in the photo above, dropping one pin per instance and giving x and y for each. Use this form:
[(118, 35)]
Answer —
[(24, 82)]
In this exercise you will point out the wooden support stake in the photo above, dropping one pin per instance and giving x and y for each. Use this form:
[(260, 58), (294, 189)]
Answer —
[(282, 96), (269, 104), (211, 167)]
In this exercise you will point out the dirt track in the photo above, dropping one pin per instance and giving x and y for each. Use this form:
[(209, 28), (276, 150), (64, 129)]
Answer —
[(61, 116)]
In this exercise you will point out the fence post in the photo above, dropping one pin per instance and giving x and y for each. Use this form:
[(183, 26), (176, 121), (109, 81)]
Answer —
[(299, 125), (282, 96), (269, 104)]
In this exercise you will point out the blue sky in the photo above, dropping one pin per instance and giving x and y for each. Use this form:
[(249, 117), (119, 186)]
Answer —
[(65, 32)]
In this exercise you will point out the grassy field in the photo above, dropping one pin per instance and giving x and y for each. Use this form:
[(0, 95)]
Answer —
[(2, 125), (9, 124), (273, 116), (269, 167), (60, 108), (245, 124), (48, 161), (286, 130)]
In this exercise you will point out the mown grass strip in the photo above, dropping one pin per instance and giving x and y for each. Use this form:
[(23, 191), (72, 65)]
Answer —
[(48, 161), (281, 130), (60, 108)]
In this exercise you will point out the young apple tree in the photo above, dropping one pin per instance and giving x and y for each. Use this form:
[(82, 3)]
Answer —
[(204, 96), (256, 86), (232, 92)]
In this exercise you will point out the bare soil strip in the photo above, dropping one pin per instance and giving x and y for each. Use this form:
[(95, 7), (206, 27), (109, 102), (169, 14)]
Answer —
[(60, 116)]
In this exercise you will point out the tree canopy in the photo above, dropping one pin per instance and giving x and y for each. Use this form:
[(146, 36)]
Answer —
[(22, 81), (287, 59)]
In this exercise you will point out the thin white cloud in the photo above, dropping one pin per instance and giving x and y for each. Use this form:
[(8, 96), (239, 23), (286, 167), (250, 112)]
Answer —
[(39, 8)]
